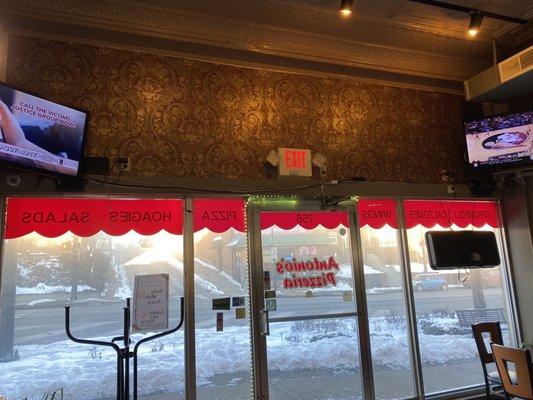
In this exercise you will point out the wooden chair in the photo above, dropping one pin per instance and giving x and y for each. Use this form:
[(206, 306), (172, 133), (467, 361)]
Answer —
[(492, 379), (522, 387)]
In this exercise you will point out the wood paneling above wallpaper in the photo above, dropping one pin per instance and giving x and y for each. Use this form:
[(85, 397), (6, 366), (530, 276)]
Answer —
[(184, 118)]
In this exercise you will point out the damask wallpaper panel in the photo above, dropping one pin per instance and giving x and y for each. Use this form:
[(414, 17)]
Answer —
[(182, 118)]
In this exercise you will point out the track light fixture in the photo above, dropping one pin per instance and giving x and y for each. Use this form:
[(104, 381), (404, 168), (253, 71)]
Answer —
[(475, 23), (346, 8), (476, 16)]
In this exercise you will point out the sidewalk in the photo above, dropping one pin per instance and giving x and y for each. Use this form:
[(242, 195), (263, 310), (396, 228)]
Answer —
[(336, 384)]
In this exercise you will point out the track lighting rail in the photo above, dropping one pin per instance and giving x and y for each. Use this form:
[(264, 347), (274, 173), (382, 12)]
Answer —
[(470, 10)]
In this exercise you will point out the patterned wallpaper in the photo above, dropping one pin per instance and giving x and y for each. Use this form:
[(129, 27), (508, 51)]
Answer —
[(182, 118)]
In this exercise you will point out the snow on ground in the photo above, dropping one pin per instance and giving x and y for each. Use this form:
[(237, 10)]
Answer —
[(42, 288), (150, 257), (302, 345), (385, 289), (221, 272), (41, 301), (90, 300), (206, 285), (231, 279), (207, 265), (341, 286), (154, 256)]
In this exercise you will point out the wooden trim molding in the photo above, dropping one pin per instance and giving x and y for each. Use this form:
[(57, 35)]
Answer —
[(409, 57)]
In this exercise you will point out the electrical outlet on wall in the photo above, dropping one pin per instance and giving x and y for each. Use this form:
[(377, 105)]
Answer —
[(123, 164)]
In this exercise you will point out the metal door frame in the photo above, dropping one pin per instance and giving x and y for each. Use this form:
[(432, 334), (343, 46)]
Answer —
[(255, 257)]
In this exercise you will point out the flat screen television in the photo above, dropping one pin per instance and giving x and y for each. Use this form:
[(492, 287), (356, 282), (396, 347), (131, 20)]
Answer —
[(40, 135), (501, 141)]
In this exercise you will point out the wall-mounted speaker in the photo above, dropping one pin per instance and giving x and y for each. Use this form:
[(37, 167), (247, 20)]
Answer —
[(462, 249), (482, 189), (96, 165), (70, 185)]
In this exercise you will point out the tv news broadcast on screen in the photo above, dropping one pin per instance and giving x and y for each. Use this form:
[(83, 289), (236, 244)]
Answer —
[(39, 134)]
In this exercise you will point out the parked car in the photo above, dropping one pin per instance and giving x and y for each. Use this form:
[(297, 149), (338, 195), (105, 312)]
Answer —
[(423, 282)]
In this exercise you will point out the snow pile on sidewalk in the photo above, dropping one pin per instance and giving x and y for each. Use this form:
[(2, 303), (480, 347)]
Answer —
[(301, 345), (42, 288), (384, 289), (150, 258)]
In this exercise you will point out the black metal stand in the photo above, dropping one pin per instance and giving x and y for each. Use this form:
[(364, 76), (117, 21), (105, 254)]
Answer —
[(123, 354)]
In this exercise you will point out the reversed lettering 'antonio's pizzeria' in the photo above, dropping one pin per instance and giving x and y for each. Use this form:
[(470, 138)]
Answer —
[(304, 281)]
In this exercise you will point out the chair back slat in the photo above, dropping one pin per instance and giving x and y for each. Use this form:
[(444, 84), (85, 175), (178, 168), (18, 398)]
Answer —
[(495, 333), (523, 387)]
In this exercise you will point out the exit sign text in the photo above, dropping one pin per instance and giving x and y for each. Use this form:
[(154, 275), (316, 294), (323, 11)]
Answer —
[(295, 162)]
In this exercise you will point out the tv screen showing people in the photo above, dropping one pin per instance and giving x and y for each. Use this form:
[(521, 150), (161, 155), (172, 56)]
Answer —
[(39, 134), (501, 140)]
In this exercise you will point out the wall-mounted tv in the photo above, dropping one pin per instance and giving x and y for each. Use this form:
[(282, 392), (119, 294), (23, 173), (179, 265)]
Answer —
[(500, 141), (40, 135)]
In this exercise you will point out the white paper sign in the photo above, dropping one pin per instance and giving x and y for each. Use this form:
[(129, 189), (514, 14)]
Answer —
[(150, 302)]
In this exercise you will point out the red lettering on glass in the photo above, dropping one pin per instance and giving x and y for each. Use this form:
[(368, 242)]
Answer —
[(295, 267)]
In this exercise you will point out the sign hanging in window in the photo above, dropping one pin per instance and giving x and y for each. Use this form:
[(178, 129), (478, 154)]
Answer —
[(446, 213), (52, 217), (377, 213), (305, 219), (219, 215)]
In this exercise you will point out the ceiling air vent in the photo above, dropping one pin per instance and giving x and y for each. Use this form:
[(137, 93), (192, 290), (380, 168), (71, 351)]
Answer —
[(516, 64), (510, 79), (526, 59)]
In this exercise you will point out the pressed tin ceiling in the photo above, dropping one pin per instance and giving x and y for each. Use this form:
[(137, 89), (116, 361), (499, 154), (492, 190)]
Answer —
[(391, 41)]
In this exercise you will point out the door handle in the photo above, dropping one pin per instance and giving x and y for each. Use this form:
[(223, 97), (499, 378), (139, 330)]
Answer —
[(264, 323)]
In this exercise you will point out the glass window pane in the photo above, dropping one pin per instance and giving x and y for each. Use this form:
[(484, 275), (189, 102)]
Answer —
[(95, 275), (448, 351), (223, 357), (314, 359), (389, 338)]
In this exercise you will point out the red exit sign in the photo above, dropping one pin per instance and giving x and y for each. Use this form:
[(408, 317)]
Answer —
[(295, 162)]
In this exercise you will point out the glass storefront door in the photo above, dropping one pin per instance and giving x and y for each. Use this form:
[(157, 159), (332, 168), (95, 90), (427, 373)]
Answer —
[(308, 317), (285, 300)]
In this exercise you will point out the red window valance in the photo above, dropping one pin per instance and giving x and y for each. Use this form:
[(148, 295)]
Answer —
[(306, 219), (219, 215), (445, 213), (377, 213), (52, 217)]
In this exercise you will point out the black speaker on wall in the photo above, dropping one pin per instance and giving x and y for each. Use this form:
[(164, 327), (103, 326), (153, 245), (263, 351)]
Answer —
[(482, 189), (70, 185), (462, 249), (96, 165)]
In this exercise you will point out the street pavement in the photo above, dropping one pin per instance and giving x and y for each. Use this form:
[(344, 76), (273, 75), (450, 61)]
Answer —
[(41, 325)]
